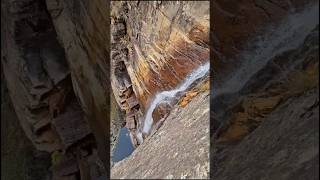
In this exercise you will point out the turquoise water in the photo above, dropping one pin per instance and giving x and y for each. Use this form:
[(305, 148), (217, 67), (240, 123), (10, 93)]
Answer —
[(124, 146)]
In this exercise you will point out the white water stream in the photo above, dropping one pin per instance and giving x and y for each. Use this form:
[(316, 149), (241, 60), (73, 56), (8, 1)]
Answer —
[(288, 35), (167, 96)]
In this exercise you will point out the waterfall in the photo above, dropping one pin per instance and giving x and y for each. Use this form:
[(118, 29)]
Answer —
[(167, 96), (288, 35)]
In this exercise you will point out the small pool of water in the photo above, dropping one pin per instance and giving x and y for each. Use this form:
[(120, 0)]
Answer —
[(124, 146)]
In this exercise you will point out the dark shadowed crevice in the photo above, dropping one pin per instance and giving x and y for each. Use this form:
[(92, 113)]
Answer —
[(53, 120)]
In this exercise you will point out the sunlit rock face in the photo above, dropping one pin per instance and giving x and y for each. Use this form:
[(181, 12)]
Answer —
[(154, 46), (163, 42)]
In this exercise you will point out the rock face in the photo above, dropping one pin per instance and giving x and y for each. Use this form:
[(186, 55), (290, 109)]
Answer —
[(19, 158), (179, 149), (265, 114), (284, 146), (55, 57), (174, 35), (34, 71), (84, 35), (238, 26), (37, 67), (154, 46)]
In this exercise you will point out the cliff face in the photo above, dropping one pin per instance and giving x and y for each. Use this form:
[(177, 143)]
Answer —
[(82, 27), (154, 46), (239, 27), (179, 148), (42, 72), (56, 66), (265, 110), (19, 158), (285, 145), (264, 97), (159, 39), (34, 66)]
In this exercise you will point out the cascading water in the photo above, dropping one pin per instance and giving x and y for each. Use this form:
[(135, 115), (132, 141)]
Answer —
[(288, 35), (167, 96)]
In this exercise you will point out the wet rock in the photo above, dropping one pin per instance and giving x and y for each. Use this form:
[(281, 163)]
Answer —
[(256, 100), (161, 111), (248, 20)]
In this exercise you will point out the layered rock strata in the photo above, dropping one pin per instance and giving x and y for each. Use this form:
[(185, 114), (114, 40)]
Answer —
[(41, 87), (155, 45), (55, 59)]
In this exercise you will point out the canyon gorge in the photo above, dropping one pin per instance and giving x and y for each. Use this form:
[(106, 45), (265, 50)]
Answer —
[(201, 89)]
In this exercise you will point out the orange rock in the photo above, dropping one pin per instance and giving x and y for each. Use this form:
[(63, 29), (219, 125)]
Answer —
[(191, 94), (187, 98), (184, 103)]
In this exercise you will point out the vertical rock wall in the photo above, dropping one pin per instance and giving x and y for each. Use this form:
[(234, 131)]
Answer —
[(44, 92), (155, 45), (55, 55), (265, 98), (82, 27), (36, 70), (162, 43)]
